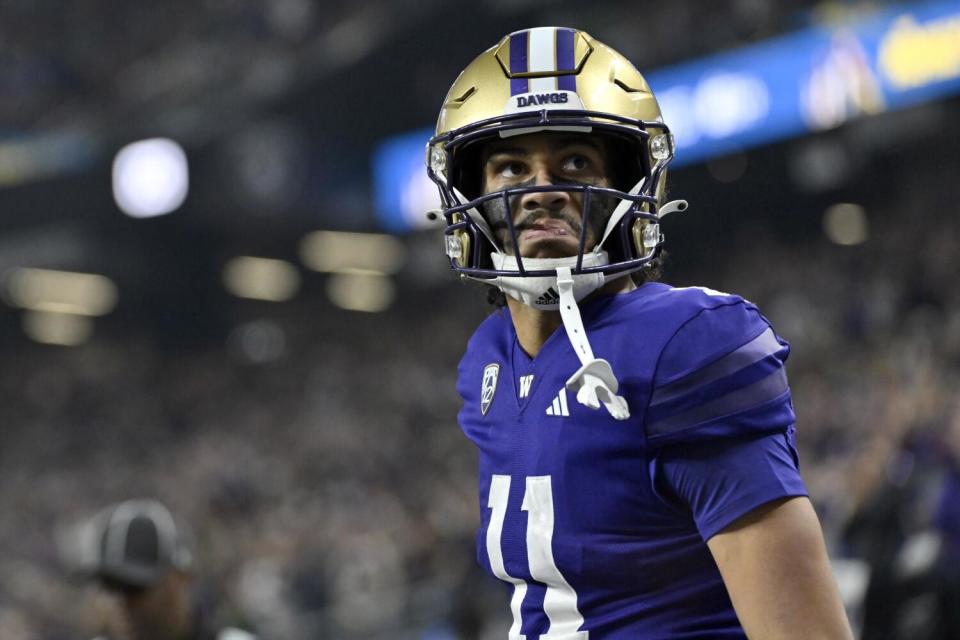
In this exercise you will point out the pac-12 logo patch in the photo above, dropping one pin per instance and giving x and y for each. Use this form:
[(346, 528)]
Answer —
[(489, 387)]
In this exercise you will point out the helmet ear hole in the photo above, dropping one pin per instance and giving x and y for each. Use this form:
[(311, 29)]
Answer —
[(645, 237), (458, 244)]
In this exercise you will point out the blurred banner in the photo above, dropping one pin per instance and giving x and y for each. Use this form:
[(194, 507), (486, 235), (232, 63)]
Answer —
[(809, 81)]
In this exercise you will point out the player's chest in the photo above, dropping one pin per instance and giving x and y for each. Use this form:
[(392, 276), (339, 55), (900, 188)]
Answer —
[(525, 420)]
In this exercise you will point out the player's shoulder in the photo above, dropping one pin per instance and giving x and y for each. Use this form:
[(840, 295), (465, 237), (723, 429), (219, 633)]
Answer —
[(669, 309), (710, 324), (721, 372), (688, 301)]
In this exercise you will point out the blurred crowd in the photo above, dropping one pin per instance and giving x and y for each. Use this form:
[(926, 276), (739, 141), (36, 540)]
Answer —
[(875, 375), (331, 494), (316, 486)]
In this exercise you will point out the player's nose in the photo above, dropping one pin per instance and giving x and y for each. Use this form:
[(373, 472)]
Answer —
[(551, 200)]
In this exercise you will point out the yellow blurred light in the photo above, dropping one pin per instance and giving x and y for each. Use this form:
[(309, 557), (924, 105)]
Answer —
[(361, 291), (63, 329), (846, 224), (914, 55), (84, 294), (346, 252), (261, 278)]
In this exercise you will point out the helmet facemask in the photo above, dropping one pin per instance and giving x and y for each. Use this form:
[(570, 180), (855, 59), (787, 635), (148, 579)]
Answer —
[(477, 225)]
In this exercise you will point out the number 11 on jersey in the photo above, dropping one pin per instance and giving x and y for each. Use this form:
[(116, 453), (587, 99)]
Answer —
[(560, 600)]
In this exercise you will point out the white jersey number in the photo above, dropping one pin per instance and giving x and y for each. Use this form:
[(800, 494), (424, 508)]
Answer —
[(560, 600)]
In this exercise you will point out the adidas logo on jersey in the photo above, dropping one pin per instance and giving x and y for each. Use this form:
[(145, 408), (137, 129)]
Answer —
[(559, 407), (550, 297)]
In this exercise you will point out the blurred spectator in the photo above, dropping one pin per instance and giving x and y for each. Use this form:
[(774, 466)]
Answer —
[(143, 557)]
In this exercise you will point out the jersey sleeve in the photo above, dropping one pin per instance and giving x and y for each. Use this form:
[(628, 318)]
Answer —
[(721, 419), (721, 375), (720, 481)]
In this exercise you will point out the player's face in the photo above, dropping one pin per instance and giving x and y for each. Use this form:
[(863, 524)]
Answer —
[(161, 612), (548, 224)]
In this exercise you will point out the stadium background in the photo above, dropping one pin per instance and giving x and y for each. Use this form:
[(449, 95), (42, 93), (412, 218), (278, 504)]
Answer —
[(300, 411)]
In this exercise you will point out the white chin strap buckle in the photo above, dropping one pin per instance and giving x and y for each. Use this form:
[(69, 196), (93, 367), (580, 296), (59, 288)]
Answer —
[(594, 382)]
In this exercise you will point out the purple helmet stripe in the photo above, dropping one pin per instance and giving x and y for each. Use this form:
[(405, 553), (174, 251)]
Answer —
[(518, 61), (518, 85), (565, 60)]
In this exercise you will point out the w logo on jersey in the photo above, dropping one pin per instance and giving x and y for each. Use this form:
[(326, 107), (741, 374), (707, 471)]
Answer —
[(489, 386), (525, 383)]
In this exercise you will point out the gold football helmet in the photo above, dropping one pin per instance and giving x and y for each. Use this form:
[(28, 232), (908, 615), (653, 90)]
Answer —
[(552, 79)]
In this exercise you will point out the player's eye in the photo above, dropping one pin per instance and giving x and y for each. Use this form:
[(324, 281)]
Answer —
[(511, 169), (576, 163)]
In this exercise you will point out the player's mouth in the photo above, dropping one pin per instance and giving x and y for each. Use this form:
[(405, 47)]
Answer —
[(545, 229)]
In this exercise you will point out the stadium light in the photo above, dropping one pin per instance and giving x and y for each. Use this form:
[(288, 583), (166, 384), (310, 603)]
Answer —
[(366, 292), (82, 294), (150, 177), (344, 252), (261, 279), (62, 329), (846, 224)]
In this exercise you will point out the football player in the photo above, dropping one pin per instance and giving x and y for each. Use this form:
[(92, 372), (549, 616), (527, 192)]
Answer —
[(638, 466)]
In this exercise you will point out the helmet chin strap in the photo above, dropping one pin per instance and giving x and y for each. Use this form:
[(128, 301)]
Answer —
[(541, 292), (594, 382)]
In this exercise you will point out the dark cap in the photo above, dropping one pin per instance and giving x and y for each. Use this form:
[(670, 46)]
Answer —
[(139, 543)]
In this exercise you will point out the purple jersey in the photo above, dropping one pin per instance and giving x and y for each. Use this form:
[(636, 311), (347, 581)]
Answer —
[(599, 524)]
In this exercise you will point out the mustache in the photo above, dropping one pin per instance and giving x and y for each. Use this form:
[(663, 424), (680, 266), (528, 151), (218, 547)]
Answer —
[(497, 214), (533, 218), (497, 211)]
